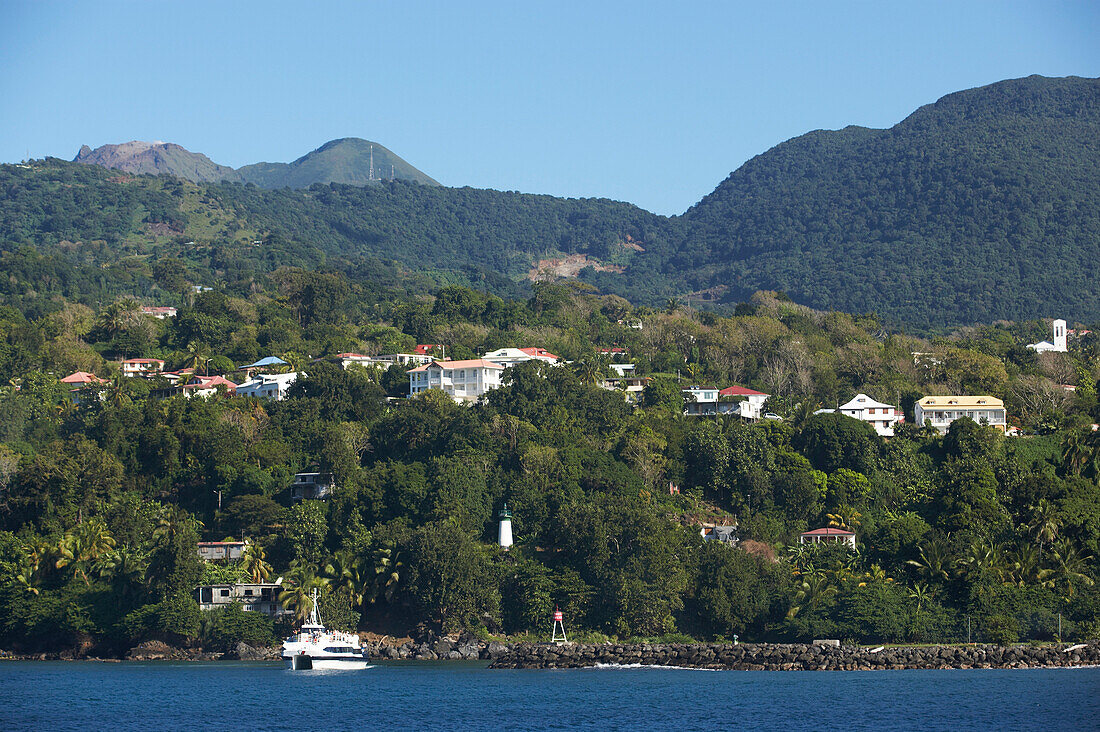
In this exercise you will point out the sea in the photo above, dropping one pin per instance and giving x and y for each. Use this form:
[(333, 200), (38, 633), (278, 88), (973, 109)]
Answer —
[(468, 696)]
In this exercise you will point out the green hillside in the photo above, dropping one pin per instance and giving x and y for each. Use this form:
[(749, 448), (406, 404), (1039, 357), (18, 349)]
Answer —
[(981, 206), (347, 160)]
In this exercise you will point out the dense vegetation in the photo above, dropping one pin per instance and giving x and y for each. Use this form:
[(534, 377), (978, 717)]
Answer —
[(101, 503), (974, 208), (982, 206)]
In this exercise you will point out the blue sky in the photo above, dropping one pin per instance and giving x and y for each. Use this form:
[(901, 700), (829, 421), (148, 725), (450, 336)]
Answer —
[(652, 103)]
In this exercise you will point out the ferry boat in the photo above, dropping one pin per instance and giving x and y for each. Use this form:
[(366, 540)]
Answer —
[(316, 647)]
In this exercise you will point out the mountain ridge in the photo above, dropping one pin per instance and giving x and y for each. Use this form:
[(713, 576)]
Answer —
[(348, 160)]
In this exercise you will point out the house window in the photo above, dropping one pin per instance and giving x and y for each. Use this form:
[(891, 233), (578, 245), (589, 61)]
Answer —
[(223, 593), (248, 593)]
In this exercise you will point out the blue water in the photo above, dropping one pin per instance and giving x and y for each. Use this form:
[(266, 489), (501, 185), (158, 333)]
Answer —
[(437, 696)]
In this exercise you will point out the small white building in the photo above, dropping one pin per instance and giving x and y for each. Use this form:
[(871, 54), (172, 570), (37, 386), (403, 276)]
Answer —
[(311, 486), (463, 381), (403, 359), (1060, 335), (828, 535), (622, 369), (881, 416), (751, 404), (142, 367), (268, 386), (160, 312), (941, 411), (348, 359), (511, 356), (700, 400)]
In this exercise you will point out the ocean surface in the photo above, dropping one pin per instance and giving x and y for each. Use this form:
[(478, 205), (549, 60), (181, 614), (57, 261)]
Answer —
[(459, 696)]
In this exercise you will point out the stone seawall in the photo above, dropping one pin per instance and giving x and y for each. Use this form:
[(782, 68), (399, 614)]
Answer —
[(797, 657)]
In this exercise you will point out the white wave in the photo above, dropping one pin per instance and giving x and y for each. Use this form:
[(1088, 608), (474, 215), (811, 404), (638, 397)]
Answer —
[(615, 666)]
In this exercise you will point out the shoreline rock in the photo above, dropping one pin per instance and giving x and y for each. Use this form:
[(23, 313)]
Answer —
[(797, 657)]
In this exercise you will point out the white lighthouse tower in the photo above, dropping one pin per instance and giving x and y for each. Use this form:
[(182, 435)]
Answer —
[(504, 536)]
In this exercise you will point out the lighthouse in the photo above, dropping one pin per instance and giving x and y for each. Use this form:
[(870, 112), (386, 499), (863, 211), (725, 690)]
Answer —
[(504, 536)]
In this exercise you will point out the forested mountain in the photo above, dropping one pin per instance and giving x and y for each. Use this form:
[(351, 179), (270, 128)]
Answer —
[(156, 158), (348, 160), (982, 206)]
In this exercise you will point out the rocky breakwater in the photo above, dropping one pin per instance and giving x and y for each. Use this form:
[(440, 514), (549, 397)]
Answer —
[(797, 657), (445, 649)]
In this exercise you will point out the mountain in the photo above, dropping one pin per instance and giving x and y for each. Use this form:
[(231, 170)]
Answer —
[(981, 206), (348, 160), (156, 158)]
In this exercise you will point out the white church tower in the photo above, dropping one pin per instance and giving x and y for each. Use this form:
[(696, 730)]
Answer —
[(1060, 336), (504, 536)]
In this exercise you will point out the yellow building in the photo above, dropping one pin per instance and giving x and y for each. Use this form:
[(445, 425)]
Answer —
[(941, 411)]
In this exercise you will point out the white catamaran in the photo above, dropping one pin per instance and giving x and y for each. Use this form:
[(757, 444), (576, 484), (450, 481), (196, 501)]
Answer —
[(315, 647)]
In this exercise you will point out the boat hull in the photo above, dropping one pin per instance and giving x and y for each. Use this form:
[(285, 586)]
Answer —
[(302, 662)]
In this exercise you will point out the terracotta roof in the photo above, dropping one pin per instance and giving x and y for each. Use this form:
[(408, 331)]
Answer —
[(741, 391), (425, 349), (828, 531), (83, 377), (143, 360), (351, 355), (473, 363), (540, 352)]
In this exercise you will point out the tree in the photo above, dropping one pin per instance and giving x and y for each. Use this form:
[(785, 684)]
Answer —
[(253, 563), (449, 577)]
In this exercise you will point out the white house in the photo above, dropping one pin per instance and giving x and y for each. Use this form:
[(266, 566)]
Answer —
[(941, 411), (1058, 328), (463, 381), (347, 359), (700, 400), (311, 486), (752, 404), (881, 416), (268, 386), (142, 367), (622, 369), (160, 312), (828, 535), (403, 359), (511, 356)]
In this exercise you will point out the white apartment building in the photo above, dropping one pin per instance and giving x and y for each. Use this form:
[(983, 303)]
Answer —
[(881, 416), (941, 411), (268, 386), (463, 381)]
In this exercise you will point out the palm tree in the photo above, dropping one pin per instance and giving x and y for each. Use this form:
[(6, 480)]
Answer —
[(388, 566), (81, 547), (297, 594), (198, 356), (813, 591), (1075, 451), (921, 594), (1026, 566), (119, 315), (344, 571), (846, 519), (1044, 523), (253, 563), (1070, 568), (934, 562), (982, 558)]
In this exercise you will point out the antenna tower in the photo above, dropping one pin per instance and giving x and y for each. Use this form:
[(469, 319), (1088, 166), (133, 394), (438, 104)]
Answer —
[(371, 175)]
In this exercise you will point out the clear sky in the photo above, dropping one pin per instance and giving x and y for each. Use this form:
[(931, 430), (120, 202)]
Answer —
[(652, 103)]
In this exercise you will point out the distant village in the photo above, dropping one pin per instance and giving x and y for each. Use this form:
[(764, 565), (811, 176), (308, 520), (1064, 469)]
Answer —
[(470, 379)]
